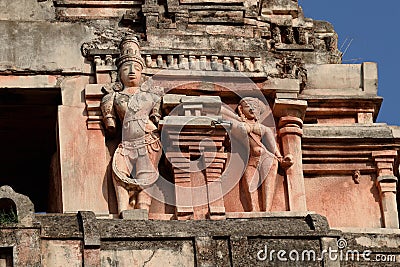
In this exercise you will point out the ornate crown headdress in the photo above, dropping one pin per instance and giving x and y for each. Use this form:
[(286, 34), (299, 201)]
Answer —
[(129, 51)]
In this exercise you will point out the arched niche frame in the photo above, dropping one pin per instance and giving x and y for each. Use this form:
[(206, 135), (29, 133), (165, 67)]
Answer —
[(24, 208)]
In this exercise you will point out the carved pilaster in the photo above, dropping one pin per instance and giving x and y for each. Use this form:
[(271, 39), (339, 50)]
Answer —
[(183, 195), (105, 73), (387, 186), (291, 114), (215, 163), (197, 145), (194, 146)]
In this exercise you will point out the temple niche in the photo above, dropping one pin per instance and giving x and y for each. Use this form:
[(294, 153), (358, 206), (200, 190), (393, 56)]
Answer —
[(187, 133)]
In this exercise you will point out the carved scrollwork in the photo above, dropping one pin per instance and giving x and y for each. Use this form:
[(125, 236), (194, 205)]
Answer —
[(86, 47)]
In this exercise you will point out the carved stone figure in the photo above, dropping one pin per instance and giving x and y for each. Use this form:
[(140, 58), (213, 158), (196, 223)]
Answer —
[(302, 36), (284, 68), (276, 34), (259, 177), (301, 74), (137, 107), (293, 68), (289, 35), (331, 43)]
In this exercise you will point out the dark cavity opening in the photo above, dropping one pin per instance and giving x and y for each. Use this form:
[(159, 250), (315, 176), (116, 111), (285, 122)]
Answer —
[(28, 140)]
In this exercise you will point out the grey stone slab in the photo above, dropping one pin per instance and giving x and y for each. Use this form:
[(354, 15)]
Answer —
[(26, 10), (48, 46), (378, 242), (136, 214), (289, 47), (91, 235), (370, 77), (395, 131), (59, 226), (189, 120), (334, 76), (216, 7), (373, 131)]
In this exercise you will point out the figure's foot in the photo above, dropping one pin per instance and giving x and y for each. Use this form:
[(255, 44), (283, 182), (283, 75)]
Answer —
[(143, 201), (121, 214), (286, 162)]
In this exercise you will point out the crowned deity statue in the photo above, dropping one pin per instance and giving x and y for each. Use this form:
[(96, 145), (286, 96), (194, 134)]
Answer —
[(133, 105)]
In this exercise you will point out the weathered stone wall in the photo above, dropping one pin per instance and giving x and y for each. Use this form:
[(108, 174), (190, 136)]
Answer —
[(263, 239), (234, 242)]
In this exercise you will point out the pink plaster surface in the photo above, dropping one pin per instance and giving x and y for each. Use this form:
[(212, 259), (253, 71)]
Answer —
[(280, 203), (83, 163), (43, 81), (343, 202), (336, 121), (230, 183), (232, 198)]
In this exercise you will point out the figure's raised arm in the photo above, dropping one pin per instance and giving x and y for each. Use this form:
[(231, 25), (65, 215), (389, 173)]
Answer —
[(228, 114), (238, 130), (109, 115)]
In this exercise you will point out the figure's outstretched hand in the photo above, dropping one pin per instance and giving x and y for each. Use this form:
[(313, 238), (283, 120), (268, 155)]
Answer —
[(286, 161), (155, 118)]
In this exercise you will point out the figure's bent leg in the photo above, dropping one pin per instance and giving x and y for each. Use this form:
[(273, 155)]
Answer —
[(250, 181), (269, 185), (146, 175), (155, 154), (120, 172), (254, 185), (122, 196)]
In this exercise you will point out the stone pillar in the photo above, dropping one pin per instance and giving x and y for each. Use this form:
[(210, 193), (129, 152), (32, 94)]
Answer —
[(387, 186), (291, 114), (91, 239)]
